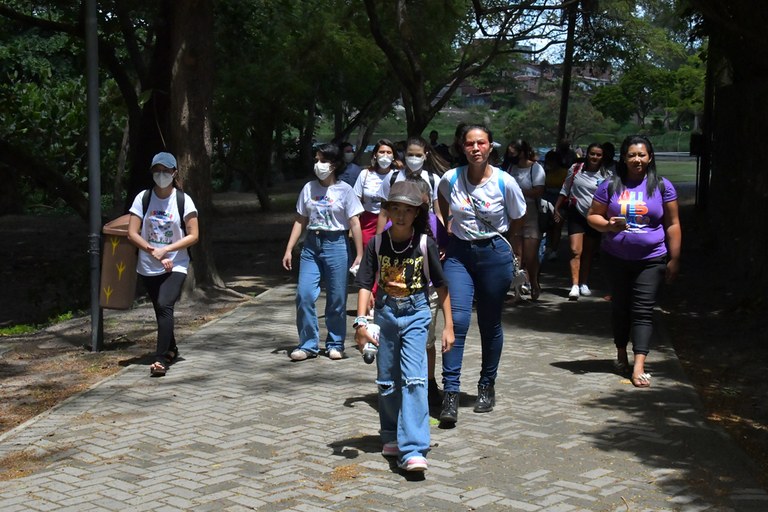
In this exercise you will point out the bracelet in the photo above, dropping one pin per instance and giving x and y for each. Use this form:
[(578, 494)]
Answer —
[(360, 321)]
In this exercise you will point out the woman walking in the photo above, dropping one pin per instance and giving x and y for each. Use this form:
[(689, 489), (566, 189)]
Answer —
[(368, 185), (520, 164), (479, 203), (638, 212), (578, 189), (163, 225), (327, 208)]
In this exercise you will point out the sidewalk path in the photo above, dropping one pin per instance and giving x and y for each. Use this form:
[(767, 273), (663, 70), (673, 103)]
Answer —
[(237, 426)]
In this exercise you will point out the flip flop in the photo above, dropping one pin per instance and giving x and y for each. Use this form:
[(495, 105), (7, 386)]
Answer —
[(642, 380), (158, 369)]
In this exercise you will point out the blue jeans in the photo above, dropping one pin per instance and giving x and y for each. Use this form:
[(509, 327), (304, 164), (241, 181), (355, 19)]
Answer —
[(481, 269), (402, 372), (323, 259)]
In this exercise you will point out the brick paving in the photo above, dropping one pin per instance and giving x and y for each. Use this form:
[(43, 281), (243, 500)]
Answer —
[(237, 426)]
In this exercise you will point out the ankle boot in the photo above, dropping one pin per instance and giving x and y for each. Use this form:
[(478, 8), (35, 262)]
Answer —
[(486, 399), (450, 412)]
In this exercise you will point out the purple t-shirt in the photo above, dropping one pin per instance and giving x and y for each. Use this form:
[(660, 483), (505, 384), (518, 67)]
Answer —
[(644, 237)]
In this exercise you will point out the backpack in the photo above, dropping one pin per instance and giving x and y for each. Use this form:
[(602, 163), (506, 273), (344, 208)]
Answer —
[(180, 196), (422, 248), (431, 180)]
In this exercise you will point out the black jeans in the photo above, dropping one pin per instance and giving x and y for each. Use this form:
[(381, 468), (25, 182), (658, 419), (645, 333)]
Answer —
[(164, 290), (635, 285)]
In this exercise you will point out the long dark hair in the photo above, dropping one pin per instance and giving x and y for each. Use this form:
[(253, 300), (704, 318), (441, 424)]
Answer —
[(603, 171), (523, 149), (619, 179), (435, 163), (421, 222), (396, 164)]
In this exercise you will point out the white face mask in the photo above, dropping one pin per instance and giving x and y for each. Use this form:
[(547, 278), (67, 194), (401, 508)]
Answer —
[(348, 157), (414, 163), (322, 170), (162, 179), (384, 161)]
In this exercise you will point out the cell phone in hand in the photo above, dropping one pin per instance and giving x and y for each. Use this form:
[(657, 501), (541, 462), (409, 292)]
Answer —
[(622, 221)]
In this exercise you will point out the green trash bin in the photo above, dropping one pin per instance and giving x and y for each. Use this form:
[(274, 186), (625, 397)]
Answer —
[(118, 266)]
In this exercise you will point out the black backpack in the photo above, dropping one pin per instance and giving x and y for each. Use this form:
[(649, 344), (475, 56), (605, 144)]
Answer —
[(431, 180)]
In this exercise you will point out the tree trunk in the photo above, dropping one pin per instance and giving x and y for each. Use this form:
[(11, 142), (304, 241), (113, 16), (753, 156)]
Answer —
[(565, 91), (190, 124)]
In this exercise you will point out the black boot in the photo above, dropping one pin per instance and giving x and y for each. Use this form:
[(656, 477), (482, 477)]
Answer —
[(486, 399), (433, 394), (450, 412)]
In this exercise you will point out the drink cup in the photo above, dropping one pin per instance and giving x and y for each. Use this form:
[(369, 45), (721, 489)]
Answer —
[(370, 350)]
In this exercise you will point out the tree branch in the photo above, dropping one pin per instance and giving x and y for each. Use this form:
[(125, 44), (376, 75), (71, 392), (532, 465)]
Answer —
[(48, 178)]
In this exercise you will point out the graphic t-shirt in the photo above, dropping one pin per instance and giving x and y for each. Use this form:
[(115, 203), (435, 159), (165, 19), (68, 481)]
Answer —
[(328, 208), (492, 203), (400, 274), (161, 227), (368, 187), (644, 237)]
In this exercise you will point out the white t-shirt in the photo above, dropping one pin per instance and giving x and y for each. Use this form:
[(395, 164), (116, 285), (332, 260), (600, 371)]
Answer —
[(328, 208), (402, 176), (368, 187), (523, 176), (162, 226), (491, 204)]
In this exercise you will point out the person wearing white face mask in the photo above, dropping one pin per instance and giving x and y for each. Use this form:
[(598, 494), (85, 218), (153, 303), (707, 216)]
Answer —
[(368, 185), (327, 208), (163, 225), (351, 170), (425, 166)]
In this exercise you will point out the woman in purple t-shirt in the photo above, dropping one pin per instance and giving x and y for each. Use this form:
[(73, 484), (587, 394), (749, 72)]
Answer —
[(638, 213)]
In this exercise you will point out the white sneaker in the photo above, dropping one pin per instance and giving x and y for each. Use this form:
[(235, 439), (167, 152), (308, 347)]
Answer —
[(335, 354), (584, 290), (299, 354), (415, 464), (390, 449), (574, 293)]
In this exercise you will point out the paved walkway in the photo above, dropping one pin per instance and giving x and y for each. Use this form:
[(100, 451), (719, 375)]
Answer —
[(237, 426)]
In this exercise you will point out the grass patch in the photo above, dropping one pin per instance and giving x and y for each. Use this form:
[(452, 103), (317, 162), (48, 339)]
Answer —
[(24, 329), (677, 171), (18, 330)]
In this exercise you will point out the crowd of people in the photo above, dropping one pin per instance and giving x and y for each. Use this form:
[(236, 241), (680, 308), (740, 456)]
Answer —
[(426, 227)]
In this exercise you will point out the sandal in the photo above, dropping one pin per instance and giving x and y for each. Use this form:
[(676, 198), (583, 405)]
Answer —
[(622, 368), (158, 369), (642, 380)]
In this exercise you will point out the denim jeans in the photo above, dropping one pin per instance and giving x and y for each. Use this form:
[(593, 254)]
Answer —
[(323, 259), (402, 372), (481, 269), (634, 287)]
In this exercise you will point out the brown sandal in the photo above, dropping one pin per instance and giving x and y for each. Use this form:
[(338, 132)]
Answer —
[(158, 369)]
